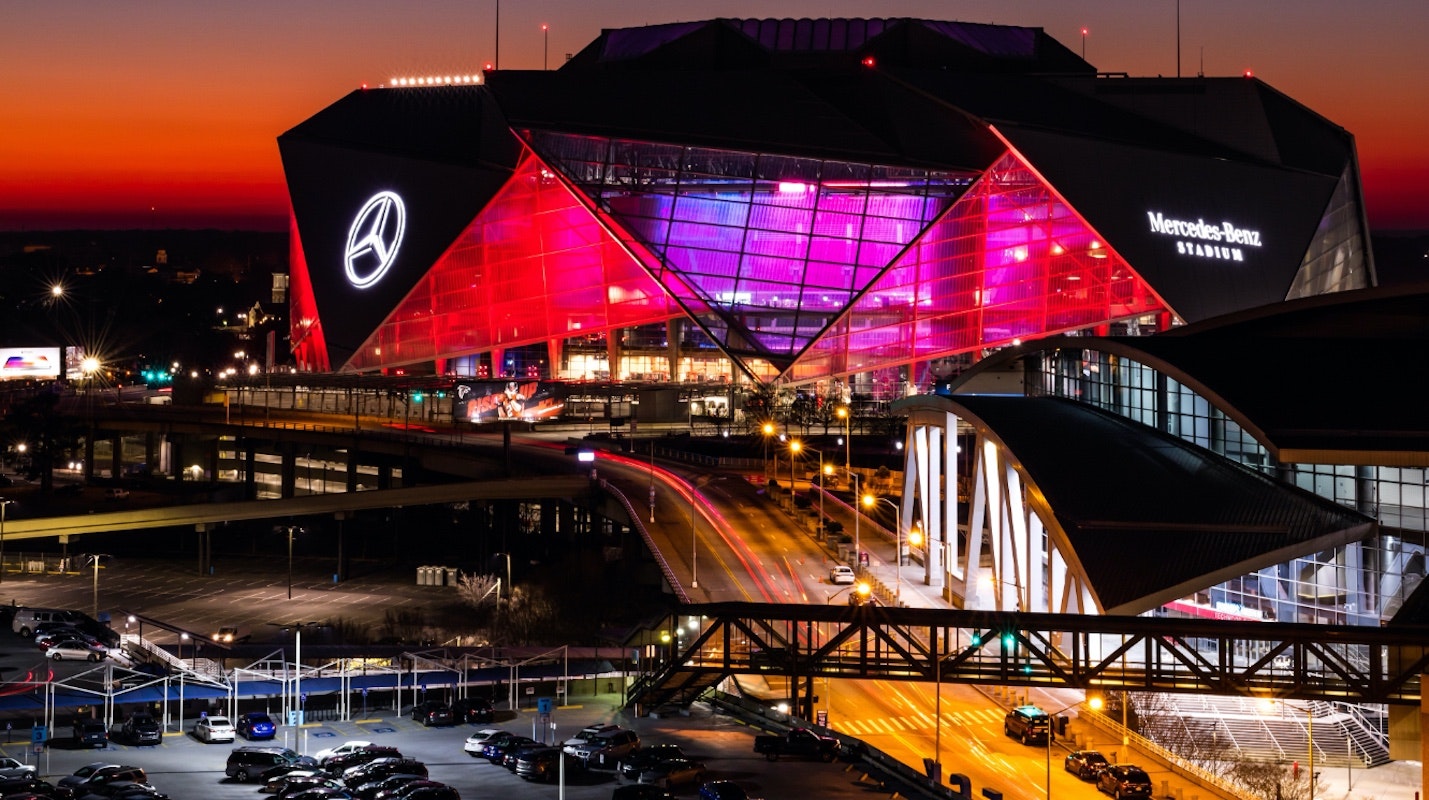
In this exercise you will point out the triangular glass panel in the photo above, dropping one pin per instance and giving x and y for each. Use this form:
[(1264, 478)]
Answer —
[(1009, 261), (534, 265), (764, 250)]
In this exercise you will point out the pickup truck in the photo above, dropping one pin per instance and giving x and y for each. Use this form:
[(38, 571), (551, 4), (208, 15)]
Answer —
[(798, 743)]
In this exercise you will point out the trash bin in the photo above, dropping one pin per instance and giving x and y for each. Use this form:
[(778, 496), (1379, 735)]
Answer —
[(451, 576), (1062, 726)]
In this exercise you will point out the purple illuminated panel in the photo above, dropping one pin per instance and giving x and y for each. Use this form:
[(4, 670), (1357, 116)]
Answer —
[(765, 251), (533, 266), (1008, 261)]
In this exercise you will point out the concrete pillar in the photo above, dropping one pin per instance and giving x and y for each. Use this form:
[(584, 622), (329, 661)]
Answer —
[(673, 330), (287, 470), (613, 353), (116, 456)]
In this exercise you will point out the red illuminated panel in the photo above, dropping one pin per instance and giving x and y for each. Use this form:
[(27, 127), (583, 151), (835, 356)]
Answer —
[(534, 265), (1008, 261), (305, 330)]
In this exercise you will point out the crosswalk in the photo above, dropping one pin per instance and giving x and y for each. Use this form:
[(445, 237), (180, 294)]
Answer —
[(915, 722)]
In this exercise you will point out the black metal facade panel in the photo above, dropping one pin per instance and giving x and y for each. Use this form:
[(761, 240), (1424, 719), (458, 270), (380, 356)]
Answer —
[(1211, 236), (330, 185), (752, 111), (1144, 510)]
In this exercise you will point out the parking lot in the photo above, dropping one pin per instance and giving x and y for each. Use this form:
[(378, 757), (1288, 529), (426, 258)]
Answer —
[(183, 767)]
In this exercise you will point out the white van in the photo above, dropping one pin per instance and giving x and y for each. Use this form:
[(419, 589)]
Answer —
[(27, 618)]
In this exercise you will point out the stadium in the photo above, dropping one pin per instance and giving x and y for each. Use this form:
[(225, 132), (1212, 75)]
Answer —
[(865, 204)]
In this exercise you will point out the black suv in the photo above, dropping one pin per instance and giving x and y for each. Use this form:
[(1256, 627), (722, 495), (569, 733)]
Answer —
[(142, 729), (1124, 780), (1029, 724), (433, 712), (245, 763), (473, 709), (91, 733)]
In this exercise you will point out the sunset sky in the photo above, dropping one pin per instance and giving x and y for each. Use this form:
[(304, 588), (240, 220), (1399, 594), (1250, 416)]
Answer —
[(166, 114)]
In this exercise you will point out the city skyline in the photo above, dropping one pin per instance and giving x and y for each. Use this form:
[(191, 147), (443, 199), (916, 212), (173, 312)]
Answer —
[(166, 115)]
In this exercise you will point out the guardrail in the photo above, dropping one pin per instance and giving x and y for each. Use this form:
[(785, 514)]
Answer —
[(635, 520), (897, 778)]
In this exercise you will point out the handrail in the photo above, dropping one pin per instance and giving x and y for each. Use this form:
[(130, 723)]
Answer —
[(665, 569), (1175, 762)]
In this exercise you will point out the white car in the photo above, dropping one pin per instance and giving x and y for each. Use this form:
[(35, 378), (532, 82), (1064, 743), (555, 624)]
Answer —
[(477, 740), (342, 749), (11, 768), (842, 574), (72, 651), (214, 729)]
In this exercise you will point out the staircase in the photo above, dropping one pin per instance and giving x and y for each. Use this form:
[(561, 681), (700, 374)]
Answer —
[(1344, 735), (677, 684)]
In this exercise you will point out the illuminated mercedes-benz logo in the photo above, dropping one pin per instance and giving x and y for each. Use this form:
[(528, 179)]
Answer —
[(374, 238)]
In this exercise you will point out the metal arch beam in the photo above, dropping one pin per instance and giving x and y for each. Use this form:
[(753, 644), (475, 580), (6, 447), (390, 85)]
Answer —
[(139, 519), (1004, 501)]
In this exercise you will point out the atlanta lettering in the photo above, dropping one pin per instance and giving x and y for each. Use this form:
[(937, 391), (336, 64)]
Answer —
[(1216, 241)]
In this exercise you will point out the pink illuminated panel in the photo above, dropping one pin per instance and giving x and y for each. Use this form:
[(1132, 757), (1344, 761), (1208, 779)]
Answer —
[(533, 266), (1008, 261), (305, 330)]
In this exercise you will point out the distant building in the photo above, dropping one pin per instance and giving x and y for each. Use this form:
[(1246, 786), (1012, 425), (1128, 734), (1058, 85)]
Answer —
[(873, 200)]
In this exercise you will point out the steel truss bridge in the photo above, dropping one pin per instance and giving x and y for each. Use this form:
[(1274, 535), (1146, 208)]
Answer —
[(700, 645)]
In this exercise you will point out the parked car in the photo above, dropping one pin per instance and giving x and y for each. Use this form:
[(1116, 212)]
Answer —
[(297, 786), (246, 763), (13, 768), (368, 791), (336, 764), (142, 729), (842, 574), (344, 748), (440, 791), (1124, 780), (72, 651), (1085, 764), (477, 741), (473, 710), (117, 493), (674, 772), (379, 768), (95, 774), (91, 733), (496, 747), (641, 791), (586, 734), (433, 712), (26, 786), (214, 729), (543, 764), (406, 789), (607, 749), (273, 783), (256, 725), (723, 790), (632, 765)]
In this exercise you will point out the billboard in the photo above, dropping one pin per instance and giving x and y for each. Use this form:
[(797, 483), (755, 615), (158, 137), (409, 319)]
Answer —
[(490, 401), (29, 363)]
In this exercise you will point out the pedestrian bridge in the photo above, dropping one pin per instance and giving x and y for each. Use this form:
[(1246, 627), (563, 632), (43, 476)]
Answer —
[(700, 645)]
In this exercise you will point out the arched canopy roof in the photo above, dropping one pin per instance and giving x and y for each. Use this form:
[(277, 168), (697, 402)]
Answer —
[(1149, 518), (1333, 379)]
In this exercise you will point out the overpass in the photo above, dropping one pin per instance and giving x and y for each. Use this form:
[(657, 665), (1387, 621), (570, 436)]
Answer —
[(199, 515), (1348, 663)]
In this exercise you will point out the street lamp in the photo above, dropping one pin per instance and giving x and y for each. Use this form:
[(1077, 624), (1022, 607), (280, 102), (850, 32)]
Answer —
[(3, 503), (768, 430), (861, 590), (1309, 734), (915, 537), (797, 446), (1094, 703), (94, 560), (291, 531)]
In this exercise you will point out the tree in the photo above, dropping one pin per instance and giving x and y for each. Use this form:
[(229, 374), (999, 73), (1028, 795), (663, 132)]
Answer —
[(478, 591), (1272, 781)]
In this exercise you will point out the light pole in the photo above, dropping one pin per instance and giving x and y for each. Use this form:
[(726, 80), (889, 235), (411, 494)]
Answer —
[(3, 503), (694, 542), (1095, 703), (914, 537), (94, 559), (845, 413), (291, 531), (768, 430), (546, 46), (1309, 736), (797, 446)]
